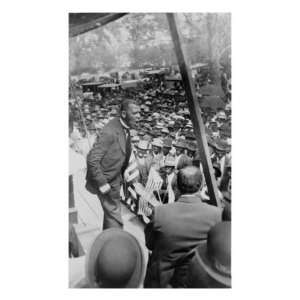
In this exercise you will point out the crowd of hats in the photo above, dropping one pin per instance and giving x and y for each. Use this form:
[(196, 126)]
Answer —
[(164, 113)]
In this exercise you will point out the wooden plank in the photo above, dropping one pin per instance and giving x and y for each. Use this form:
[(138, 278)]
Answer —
[(73, 216), (195, 111), (71, 192)]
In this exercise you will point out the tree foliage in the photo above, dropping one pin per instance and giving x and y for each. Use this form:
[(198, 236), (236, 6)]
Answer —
[(144, 39)]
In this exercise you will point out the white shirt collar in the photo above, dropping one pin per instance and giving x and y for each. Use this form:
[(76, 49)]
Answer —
[(123, 124)]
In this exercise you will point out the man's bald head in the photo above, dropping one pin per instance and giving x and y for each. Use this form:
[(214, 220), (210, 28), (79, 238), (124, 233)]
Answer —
[(189, 180)]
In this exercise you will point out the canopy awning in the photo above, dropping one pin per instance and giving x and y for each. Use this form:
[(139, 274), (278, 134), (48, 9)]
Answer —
[(83, 22)]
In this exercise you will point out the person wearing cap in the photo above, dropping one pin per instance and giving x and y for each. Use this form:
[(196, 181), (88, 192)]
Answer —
[(156, 153), (191, 150), (107, 161), (115, 259), (175, 230), (167, 173), (165, 132), (211, 265), (144, 161), (181, 159), (167, 146)]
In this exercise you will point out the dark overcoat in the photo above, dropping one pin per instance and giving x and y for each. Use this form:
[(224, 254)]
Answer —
[(176, 229)]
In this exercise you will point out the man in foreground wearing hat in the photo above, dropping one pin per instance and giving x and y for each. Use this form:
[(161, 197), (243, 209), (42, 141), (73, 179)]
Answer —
[(175, 230), (114, 260), (211, 266), (107, 161)]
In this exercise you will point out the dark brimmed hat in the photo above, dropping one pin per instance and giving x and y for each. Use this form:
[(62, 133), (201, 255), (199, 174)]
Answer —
[(180, 144), (221, 145), (215, 255), (167, 142), (115, 260), (191, 146)]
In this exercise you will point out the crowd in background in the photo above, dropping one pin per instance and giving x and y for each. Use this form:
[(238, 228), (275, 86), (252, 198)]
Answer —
[(165, 128), (164, 141)]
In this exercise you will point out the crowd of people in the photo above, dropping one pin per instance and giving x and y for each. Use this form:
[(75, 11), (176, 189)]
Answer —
[(143, 147)]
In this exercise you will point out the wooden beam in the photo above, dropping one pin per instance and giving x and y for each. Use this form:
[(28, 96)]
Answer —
[(195, 111), (71, 192)]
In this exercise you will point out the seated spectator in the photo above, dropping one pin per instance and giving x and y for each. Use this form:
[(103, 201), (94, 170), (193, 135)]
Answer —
[(181, 159), (167, 146), (167, 173), (156, 153), (211, 266), (115, 260), (175, 230)]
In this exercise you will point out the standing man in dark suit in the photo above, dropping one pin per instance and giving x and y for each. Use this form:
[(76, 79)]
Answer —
[(175, 230), (107, 161)]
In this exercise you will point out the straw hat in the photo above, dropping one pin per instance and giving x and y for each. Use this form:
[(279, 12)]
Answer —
[(157, 142), (135, 139), (170, 161), (143, 145)]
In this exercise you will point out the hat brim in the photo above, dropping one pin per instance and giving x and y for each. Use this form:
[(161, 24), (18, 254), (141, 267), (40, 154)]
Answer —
[(179, 146), (136, 279), (201, 256)]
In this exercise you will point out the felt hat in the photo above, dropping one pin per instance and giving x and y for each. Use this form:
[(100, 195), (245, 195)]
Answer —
[(191, 146), (222, 145), (180, 143), (215, 255), (167, 142), (115, 260)]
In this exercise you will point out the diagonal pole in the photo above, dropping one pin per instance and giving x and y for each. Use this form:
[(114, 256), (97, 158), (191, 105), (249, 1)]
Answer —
[(195, 111)]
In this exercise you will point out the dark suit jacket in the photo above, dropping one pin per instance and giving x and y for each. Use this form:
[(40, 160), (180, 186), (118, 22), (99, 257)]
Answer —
[(106, 158), (175, 230)]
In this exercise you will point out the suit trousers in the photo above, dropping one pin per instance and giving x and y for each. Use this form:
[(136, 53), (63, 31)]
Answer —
[(111, 207)]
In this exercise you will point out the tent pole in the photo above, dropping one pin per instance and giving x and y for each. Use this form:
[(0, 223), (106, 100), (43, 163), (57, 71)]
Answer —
[(195, 111)]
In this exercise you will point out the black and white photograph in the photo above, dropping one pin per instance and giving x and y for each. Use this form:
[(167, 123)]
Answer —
[(127, 129), (150, 150)]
